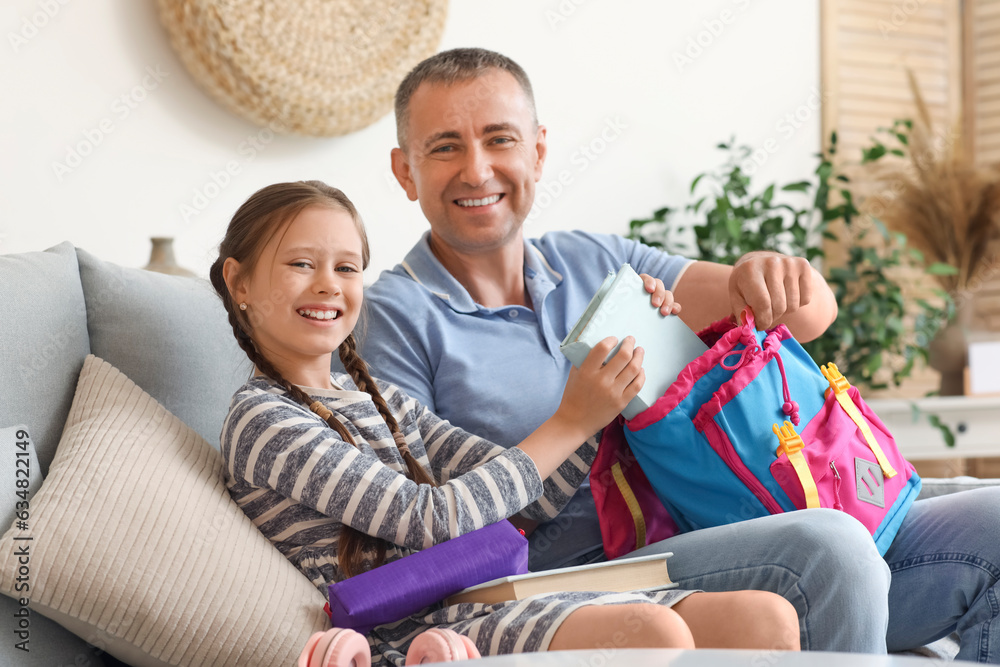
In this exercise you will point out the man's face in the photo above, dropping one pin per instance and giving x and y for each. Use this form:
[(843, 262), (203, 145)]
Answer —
[(472, 159)]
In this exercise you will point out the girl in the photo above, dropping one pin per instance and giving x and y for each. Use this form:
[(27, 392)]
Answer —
[(343, 473)]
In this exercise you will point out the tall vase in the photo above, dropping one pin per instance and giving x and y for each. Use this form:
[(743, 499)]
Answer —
[(162, 260), (949, 351)]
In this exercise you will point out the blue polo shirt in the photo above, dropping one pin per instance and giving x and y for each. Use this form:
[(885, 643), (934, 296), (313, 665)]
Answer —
[(498, 372)]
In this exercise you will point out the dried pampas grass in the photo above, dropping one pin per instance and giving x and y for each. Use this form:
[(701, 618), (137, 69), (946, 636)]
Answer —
[(948, 207)]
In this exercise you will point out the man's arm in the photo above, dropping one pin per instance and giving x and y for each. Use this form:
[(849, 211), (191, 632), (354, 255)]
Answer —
[(778, 289)]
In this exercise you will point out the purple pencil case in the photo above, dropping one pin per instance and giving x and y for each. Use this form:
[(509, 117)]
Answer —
[(405, 586)]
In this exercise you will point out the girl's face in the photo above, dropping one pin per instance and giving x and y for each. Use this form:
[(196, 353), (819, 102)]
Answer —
[(304, 296)]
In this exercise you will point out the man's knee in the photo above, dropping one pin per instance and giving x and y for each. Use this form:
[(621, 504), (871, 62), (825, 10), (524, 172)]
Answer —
[(839, 551), (827, 533)]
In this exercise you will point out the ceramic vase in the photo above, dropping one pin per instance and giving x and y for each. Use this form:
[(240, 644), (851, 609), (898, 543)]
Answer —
[(949, 351), (162, 260)]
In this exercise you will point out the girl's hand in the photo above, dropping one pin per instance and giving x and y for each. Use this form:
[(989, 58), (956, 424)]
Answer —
[(596, 392), (662, 297)]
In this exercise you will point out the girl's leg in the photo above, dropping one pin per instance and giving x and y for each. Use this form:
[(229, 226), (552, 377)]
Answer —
[(637, 625), (741, 619)]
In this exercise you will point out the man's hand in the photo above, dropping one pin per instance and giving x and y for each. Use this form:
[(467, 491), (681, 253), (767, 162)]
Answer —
[(661, 296), (777, 288), (774, 286)]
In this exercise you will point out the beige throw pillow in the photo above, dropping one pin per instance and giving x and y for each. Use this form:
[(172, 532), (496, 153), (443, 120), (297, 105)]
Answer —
[(136, 546)]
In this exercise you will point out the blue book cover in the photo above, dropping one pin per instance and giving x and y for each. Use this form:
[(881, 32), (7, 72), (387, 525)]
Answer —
[(622, 308)]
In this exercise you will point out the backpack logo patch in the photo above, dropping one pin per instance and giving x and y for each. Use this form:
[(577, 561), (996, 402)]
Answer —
[(870, 482)]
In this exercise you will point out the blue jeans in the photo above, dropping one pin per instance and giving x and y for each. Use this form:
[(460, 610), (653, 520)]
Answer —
[(944, 565)]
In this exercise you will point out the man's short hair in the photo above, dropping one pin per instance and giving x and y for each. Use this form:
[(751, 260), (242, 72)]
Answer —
[(454, 66)]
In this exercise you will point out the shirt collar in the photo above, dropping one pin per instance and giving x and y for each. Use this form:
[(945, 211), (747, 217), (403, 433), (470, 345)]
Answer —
[(421, 265)]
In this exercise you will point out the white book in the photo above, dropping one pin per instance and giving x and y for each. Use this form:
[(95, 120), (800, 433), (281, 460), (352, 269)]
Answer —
[(616, 576), (622, 308)]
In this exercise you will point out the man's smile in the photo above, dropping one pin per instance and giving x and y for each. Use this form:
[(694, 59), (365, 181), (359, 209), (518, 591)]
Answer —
[(486, 201)]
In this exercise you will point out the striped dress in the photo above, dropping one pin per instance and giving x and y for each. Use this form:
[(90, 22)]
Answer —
[(299, 482)]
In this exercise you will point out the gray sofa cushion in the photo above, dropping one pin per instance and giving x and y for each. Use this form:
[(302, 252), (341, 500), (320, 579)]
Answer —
[(43, 341), (940, 486), (170, 335)]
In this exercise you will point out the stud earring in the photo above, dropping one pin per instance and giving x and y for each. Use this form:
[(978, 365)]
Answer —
[(243, 306)]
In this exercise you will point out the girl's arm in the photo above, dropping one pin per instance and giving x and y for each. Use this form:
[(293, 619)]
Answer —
[(273, 443), (452, 453)]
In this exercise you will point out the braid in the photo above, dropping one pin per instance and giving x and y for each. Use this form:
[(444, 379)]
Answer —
[(358, 369)]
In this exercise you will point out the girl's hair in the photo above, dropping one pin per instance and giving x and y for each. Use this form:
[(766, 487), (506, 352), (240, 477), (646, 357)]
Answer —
[(266, 213)]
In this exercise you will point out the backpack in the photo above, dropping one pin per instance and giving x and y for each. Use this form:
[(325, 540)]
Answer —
[(751, 427)]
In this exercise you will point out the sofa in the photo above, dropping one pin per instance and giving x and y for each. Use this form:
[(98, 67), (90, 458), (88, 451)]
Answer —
[(115, 384)]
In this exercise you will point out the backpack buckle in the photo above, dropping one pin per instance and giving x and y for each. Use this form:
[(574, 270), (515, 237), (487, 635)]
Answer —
[(789, 442), (838, 383)]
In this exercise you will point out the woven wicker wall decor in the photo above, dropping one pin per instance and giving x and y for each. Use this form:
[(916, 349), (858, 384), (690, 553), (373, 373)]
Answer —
[(311, 67)]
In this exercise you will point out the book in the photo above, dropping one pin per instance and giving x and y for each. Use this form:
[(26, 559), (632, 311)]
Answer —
[(617, 576), (621, 307)]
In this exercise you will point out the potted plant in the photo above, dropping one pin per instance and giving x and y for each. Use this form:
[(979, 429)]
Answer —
[(876, 335), (928, 187)]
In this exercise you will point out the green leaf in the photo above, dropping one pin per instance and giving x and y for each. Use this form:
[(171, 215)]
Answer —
[(949, 437), (941, 269), (734, 227), (798, 186), (832, 214), (771, 227), (768, 194), (873, 153), (697, 178), (874, 363)]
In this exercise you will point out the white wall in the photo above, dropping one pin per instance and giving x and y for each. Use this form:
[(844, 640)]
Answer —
[(599, 68)]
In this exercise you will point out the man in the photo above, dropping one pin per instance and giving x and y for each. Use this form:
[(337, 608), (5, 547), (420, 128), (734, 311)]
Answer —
[(470, 324)]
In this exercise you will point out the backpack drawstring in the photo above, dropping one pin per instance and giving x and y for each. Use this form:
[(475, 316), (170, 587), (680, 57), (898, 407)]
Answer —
[(746, 354), (751, 348), (790, 407)]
